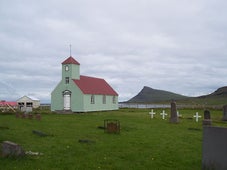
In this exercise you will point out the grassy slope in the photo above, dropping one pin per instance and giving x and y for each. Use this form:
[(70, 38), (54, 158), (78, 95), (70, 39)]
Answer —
[(149, 95), (142, 144)]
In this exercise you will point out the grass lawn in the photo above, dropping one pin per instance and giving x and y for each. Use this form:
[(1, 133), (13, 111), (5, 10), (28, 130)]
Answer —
[(143, 143)]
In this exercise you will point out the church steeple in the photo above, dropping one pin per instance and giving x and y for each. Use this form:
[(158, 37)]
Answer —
[(70, 68)]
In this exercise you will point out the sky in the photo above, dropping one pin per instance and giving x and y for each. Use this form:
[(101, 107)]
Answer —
[(174, 45)]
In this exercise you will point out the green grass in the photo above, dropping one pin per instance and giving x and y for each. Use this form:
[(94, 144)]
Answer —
[(143, 143)]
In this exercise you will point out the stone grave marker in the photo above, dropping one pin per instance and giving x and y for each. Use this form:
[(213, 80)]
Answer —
[(173, 114), (178, 114), (163, 114), (214, 148), (152, 113), (11, 149), (197, 116), (224, 113), (207, 120), (40, 133)]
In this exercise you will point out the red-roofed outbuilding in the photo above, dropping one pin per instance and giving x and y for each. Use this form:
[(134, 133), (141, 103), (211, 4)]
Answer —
[(78, 93)]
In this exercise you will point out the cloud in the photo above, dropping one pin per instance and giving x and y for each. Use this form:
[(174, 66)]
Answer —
[(178, 46)]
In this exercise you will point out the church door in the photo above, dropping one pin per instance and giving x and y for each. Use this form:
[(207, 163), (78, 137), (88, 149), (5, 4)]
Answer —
[(67, 100)]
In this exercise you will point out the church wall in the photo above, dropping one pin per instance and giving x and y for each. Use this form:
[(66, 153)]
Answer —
[(98, 105)]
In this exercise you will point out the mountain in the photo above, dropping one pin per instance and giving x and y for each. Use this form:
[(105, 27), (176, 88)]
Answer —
[(149, 95), (222, 92)]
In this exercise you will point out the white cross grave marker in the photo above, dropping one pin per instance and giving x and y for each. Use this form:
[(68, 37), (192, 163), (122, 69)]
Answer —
[(163, 114), (178, 114), (197, 116), (152, 113)]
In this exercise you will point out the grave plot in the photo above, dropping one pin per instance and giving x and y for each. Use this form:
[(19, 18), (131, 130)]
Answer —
[(111, 126)]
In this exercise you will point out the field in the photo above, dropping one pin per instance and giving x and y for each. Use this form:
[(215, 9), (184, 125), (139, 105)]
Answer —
[(143, 143)]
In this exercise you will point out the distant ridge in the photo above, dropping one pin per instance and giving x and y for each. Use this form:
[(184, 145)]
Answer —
[(149, 95), (222, 92)]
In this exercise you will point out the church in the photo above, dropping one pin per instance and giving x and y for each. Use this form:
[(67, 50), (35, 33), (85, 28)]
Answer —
[(79, 93)]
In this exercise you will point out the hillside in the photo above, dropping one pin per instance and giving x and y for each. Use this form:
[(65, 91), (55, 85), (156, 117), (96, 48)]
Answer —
[(149, 95), (219, 92)]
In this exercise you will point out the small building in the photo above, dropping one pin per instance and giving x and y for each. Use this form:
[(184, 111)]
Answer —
[(7, 106), (78, 93), (27, 103)]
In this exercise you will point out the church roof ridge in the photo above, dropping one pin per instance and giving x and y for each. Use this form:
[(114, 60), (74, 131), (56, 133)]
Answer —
[(94, 85), (70, 60)]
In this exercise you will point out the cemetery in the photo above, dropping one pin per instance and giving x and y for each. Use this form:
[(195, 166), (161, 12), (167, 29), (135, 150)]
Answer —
[(163, 139)]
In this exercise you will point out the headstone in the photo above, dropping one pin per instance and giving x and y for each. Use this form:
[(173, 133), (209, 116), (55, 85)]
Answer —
[(207, 120), (163, 114), (173, 114), (40, 133), (197, 116), (178, 114), (214, 148), (152, 113), (11, 149), (224, 113)]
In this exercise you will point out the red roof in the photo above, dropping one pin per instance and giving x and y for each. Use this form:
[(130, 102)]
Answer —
[(70, 60), (5, 103), (92, 85)]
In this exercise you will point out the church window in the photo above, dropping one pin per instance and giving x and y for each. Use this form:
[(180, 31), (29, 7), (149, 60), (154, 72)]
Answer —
[(92, 99), (67, 80), (114, 99), (104, 99)]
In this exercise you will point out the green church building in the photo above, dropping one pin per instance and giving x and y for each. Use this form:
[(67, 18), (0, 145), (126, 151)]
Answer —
[(78, 93)]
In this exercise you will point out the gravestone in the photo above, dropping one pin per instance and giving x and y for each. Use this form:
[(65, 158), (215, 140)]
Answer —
[(207, 120), (173, 114), (214, 148), (197, 116), (163, 114), (152, 113), (40, 133), (11, 149), (224, 113)]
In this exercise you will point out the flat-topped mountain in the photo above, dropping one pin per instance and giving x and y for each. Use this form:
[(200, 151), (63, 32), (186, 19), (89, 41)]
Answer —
[(149, 95)]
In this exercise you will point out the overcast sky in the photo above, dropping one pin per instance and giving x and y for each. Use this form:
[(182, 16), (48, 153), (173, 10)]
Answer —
[(174, 45)]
